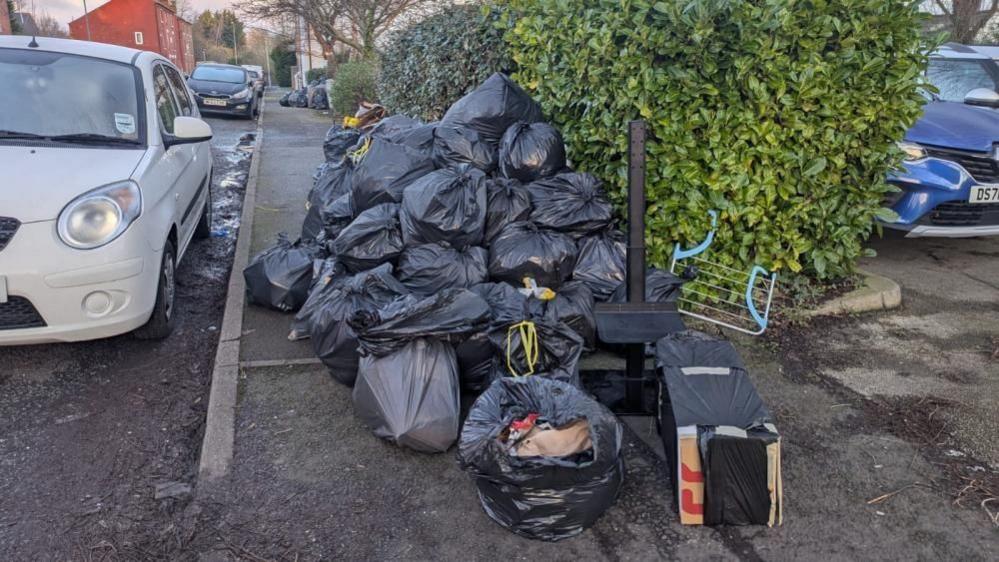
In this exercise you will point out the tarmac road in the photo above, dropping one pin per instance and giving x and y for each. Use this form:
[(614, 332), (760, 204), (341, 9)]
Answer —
[(87, 430)]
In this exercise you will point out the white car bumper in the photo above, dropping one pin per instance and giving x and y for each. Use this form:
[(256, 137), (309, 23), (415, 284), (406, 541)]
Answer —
[(77, 294)]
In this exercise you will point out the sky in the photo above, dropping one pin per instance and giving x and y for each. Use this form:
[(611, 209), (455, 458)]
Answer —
[(65, 11)]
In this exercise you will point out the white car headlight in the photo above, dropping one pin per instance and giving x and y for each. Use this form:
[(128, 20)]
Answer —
[(244, 93), (913, 152), (99, 216)]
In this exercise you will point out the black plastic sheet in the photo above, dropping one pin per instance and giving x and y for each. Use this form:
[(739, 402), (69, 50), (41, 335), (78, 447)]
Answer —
[(384, 172), (447, 205), (601, 263), (492, 108), (574, 203), (429, 268), (371, 239), (531, 151), (333, 339), (507, 201), (523, 249), (279, 277), (546, 498)]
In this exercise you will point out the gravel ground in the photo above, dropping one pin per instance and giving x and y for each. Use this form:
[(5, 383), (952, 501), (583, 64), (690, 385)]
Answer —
[(88, 430)]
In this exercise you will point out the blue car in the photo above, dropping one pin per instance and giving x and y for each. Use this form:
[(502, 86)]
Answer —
[(950, 181)]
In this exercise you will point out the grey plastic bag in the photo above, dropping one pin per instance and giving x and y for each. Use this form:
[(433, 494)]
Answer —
[(407, 382)]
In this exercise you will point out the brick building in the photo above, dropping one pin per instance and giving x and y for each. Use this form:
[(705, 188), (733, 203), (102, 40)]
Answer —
[(4, 18), (150, 25)]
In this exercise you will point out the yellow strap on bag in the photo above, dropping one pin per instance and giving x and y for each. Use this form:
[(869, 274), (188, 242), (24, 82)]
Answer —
[(529, 341), (357, 155)]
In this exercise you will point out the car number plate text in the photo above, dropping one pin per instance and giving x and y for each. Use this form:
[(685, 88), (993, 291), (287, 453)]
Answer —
[(988, 193), (213, 101)]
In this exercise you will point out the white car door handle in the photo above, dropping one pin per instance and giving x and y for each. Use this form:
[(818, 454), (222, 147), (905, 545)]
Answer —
[(176, 196)]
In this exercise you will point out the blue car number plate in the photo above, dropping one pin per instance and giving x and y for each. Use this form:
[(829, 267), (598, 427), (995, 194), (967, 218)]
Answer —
[(984, 194)]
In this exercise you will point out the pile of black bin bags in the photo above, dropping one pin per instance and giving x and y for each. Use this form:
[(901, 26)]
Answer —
[(410, 277)]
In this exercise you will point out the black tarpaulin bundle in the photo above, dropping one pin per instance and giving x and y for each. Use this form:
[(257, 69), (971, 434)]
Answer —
[(723, 448), (524, 250), (601, 263), (506, 202), (279, 277), (541, 497), (530, 151), (407, 381), (445, 206), (371, 239), (572, 202), (333, 339), (429, 268), (384, 170)]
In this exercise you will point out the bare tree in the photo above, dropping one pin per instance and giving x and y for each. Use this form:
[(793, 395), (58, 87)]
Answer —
[(355, 23), (48, 26), (966, 18)]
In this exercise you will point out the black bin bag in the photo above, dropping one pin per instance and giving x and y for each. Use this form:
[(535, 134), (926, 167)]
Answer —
[(385, 169), (407, 131), (706, 392), (602, 263), (530, 151), (333, 339), (460, 144), (338, 141), (429, 268), (336, 215), (572, 202), (573, 305), (280, 276), (660, 286), (331, 183), (476, 354), (523, 249), (371, 239), (506, 201), (448, 205), (492, 107), (541, 497), (407, 382), (325, 274), (553, 350)]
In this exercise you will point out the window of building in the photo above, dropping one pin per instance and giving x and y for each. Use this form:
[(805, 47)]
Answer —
[(138, 37)]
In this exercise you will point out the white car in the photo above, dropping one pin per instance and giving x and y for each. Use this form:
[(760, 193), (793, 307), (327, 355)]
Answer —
[(105, 172)]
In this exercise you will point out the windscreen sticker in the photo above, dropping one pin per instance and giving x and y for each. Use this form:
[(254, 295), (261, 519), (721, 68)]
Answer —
[(125, 123)]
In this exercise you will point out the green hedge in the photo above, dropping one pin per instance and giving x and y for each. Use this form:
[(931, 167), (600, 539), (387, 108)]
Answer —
[(354, 83), (781, 114), (429, 65)]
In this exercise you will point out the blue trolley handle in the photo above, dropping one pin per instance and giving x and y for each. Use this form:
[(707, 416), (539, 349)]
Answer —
[(679, 254), (761, 321)]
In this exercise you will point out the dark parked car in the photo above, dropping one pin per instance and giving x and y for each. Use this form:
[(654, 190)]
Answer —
[(224, 88)]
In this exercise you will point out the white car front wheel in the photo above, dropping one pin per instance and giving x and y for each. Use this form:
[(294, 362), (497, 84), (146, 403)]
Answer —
[(161, 323)]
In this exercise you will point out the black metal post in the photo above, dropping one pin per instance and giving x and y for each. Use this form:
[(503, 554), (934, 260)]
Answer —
[(635, 353)]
